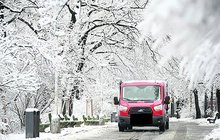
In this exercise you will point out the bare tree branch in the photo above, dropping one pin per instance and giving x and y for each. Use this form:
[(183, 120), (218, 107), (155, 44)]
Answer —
[(29, 25), (10, 21), (98, 45), (34, 3), (62, 9), (18, 11), (46, 106), (152, 52), (73, 13), (143, 6), (102, 52), (10, 81), (83, 39)]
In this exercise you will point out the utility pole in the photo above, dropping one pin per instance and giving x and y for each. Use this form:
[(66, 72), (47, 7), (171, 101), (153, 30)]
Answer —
[(101, 90), (56, 89), (100, 84), (57, 62), (87, 107), (55, 122)]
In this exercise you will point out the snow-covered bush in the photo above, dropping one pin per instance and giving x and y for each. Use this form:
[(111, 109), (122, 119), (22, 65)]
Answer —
[(4, 128)]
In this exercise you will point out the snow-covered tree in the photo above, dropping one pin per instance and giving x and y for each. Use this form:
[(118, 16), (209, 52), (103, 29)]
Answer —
[(193, 32), (76, 48), (19, 79), (192, 26)]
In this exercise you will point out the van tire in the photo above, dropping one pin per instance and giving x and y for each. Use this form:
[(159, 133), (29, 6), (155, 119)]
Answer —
[(167, 125), (121, 129), (130, 127), (162, 127)]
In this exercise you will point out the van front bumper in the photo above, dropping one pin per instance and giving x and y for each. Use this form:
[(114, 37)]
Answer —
[(124, 121)]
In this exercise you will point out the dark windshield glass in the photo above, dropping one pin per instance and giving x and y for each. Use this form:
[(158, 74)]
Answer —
[(141, 93)]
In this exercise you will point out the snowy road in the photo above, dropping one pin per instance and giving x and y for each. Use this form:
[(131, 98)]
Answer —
[(178, 131), (181, 129)]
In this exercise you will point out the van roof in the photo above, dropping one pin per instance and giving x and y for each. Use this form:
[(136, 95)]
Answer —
[(144, 81)]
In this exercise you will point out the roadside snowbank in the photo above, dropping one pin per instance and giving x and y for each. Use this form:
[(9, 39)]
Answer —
[(66, 133), (214, 135), (85, 132)]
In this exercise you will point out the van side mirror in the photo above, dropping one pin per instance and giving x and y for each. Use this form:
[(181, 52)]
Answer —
[(116, 101), (167, 100)]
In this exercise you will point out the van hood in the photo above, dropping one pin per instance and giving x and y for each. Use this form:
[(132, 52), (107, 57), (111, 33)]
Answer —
[(140, 103)]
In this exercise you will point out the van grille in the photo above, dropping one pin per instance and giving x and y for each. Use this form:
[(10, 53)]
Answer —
[(140, 110)]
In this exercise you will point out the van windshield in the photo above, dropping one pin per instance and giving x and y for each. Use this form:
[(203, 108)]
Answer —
[(141, 93)]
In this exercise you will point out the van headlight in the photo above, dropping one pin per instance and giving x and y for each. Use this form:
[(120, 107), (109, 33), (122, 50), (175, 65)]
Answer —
[(158, 107), (122, 108)]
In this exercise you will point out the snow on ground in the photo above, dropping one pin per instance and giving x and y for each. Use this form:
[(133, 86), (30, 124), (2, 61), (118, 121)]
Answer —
[(90, 131), (214, 135), (66, 133), (202, 121)]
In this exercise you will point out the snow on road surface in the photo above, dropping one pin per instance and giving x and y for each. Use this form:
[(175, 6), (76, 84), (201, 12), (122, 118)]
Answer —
[(93, 132), (66, 133), (215, 134)]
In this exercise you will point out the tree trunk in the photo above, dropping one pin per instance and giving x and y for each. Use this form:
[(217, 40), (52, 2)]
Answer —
[(3, 32), (198, 112), (63, 107), (205, 105), (218, 100), (70, 111), (91, 107), (172, 108), (211, 100)]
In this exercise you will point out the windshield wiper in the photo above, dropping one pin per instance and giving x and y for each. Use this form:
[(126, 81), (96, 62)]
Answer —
[(127, 99), (146, 100)]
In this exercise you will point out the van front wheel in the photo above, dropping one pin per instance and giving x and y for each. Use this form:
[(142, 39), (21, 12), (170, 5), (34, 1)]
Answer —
[(130, 127), (121, 129), (162, 127), (167, 125)]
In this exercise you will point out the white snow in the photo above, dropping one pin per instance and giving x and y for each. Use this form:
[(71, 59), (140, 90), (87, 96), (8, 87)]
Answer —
[(66, 133), (192, 27), (31, 110), (214, 135), (202, 121), (154, 81), (92, 131)]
